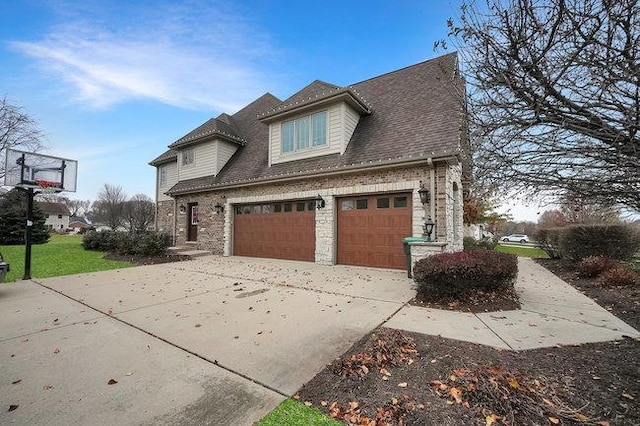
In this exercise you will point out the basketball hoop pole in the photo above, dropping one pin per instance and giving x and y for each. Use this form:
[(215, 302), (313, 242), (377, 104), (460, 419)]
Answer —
[(27, 237)]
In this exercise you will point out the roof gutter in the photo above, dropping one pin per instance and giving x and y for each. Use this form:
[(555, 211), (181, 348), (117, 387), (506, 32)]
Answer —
[(451, 159)]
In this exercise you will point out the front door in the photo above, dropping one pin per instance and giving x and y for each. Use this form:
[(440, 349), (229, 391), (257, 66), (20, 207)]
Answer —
[(192, 222)]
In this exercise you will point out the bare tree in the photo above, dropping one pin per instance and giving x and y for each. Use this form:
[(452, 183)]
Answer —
[(17, 130), (109, 207), (77, 207), (139, 213), (554, 89)]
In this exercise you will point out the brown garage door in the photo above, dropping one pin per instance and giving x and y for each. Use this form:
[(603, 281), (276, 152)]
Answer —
[(276, 230), (371, 229)]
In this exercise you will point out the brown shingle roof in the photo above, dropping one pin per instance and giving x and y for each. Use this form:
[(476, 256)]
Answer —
[(166, 157), (53, 208), (221, 127), (417, 113)]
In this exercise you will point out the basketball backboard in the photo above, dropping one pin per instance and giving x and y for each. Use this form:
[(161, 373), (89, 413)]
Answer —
[(44, 172)]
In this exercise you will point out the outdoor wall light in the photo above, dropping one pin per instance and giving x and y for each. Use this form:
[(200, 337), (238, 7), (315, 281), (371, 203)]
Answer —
[(319, 202), (219, 208), (428, 228), (183, 208), (424, 195)]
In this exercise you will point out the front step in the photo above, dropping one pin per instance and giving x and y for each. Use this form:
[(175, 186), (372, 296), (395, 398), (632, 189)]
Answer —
[(189, 251)]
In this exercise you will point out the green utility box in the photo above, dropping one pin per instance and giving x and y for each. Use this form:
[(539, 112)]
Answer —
[(407, 250)]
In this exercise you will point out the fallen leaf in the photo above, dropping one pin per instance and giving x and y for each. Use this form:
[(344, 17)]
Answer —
[(402, 385), (491, 419), (453, 377), (308, 403), (456, 393), (296, 396), (628, 396), (513, 383), (15, 382), (56, 351), (323, 403), (112, 382), (365, 369), (554, 420), (198, 325), (47, 387), (129, 374), (394, 401), (353, 405), (13, 407)]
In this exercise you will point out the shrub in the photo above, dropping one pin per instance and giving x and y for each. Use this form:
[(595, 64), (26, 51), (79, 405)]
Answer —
[(146, 243), (471, 243), (618, 242), (593, 266), (99, 240), (617, 277), (548, 239), (456, 274)]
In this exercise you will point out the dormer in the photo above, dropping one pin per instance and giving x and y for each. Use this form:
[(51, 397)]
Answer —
[(318, 120), (205, 150)]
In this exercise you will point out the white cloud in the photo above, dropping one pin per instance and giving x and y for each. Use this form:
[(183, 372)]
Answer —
[(191, 55)]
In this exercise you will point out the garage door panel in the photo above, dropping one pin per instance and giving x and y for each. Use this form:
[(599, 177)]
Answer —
[(373, 236), (280, 235)]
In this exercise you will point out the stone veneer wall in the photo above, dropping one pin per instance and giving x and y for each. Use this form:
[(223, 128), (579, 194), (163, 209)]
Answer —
[(165, 212), (215, 231)]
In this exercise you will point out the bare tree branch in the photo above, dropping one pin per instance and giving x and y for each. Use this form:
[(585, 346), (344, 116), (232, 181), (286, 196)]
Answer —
[(554, 96), (18, 131)]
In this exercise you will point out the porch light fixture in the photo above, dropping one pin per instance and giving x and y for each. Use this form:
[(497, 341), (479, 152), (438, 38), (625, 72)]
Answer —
[(183, 209), (219, 208), (319, 202), (428, 228), (424, 195)]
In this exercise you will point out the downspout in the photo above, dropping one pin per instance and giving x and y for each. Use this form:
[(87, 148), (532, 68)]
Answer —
[(175, 220), (432, 194)]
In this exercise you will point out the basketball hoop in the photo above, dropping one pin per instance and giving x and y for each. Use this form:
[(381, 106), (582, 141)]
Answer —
[(48, 186)]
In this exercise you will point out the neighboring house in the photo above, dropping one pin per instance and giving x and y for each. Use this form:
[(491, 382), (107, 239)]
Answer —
[(477, 231), (329, 175), (56, 214), (78, 224)]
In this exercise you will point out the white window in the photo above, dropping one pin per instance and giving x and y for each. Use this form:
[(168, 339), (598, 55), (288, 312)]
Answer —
[(162, 175), (304, 133), (188, 156)]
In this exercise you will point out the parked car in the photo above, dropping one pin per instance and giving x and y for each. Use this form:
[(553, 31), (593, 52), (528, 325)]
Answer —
[(515, 238)]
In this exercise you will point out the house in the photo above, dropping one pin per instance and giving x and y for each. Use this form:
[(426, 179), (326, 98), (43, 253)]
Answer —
[(330, 175), (78, 224), (56, 214)]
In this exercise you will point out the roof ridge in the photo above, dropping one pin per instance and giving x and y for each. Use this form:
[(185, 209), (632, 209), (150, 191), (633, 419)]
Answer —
[(405, 68)]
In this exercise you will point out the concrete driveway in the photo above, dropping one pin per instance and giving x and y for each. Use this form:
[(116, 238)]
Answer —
[(209, 341)]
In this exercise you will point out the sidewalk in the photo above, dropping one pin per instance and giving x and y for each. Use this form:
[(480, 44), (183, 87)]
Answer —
[(552, 313)]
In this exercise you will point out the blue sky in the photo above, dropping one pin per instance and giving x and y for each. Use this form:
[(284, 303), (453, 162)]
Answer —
[(112, 83)]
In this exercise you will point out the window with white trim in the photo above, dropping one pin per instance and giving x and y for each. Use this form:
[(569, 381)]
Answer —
[(304, 133), (188, 156), (162, 175)]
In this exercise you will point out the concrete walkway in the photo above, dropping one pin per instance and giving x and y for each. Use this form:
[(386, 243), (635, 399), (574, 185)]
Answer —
[(552, 313), (224, 340)]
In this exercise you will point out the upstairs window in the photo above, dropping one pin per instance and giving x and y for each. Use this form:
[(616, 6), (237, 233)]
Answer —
[(162, 175), (188, 156), (304, 133)]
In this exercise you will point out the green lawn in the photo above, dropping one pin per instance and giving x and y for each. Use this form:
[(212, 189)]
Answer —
[(62, 255), (294, 413), (524, 251)]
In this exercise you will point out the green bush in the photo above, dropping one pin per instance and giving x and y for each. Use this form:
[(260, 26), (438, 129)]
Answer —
[(592, 266), (146, 243), (548, 239), (471, 243), (99, 240), (457, 274), (618, 277), (618, 242)]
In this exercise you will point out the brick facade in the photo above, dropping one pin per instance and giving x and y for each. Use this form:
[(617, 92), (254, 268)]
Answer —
[(215, 230)]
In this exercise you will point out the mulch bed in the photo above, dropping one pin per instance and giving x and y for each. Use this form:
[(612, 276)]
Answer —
[(400, 378), (148, 260), (503, 300)]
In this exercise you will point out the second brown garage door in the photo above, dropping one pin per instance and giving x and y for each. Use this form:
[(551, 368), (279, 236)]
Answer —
[(371, 230), (276, 230)]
